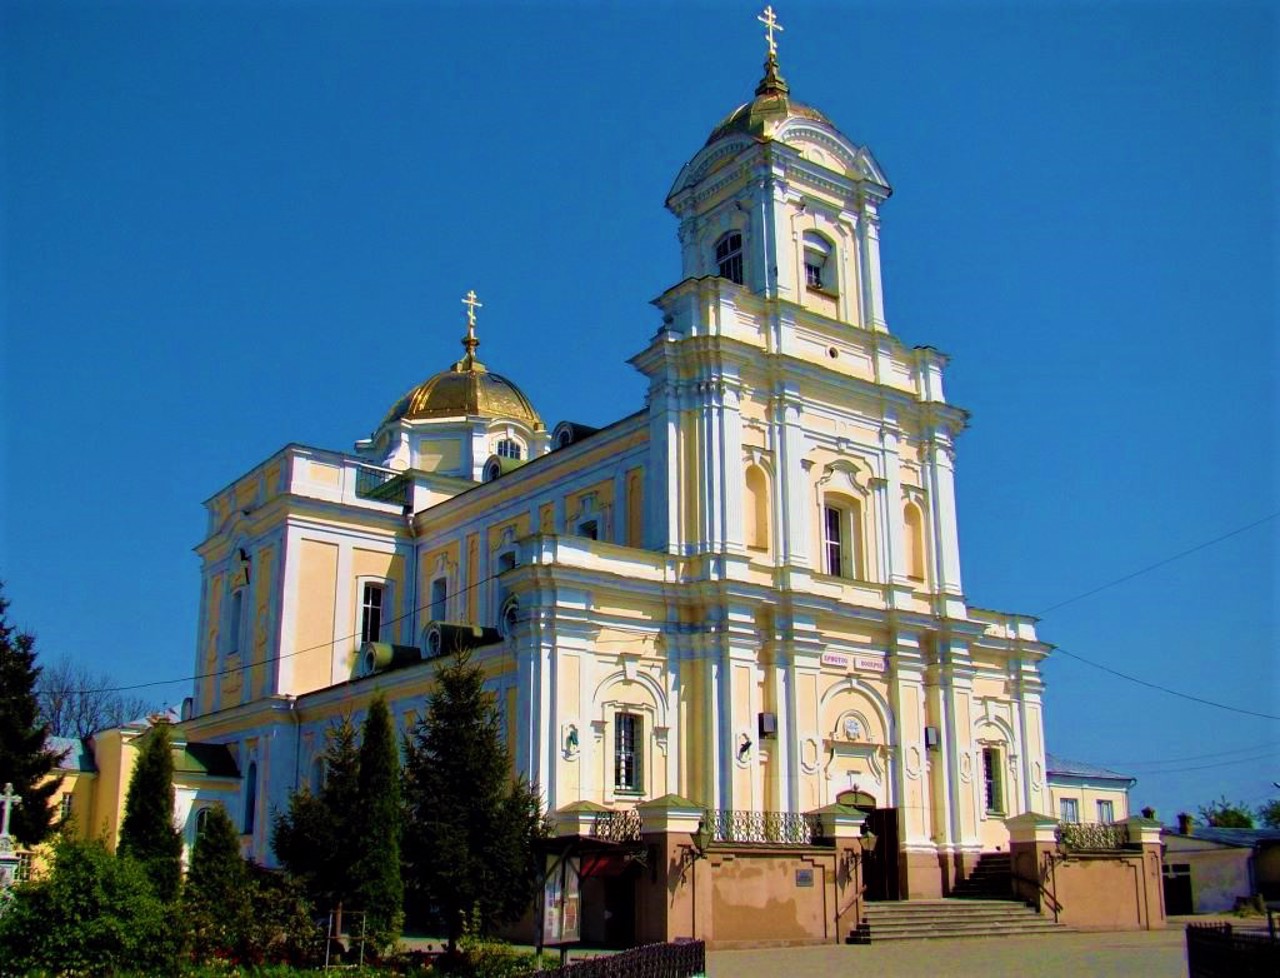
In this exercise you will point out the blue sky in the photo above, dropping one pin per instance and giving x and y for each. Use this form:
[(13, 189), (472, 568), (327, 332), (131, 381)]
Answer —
[(229, 226)]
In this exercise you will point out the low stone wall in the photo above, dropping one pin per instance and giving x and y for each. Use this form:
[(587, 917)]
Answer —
[(1118, 889)]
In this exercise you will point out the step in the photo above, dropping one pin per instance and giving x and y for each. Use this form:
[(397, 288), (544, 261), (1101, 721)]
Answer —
[(919, 920)]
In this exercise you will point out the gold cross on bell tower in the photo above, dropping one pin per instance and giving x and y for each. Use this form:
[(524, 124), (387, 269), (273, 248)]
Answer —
[(469, 342), (771, 24)]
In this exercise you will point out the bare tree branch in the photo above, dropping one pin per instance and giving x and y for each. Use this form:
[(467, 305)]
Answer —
[(77, 702)]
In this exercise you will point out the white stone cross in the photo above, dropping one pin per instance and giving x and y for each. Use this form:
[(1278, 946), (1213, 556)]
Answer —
[(9, 800), (770, 25)]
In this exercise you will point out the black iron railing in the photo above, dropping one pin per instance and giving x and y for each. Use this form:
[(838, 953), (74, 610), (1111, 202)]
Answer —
[(683, 959), (617, 826), (1092, 836), (1216, 951), (382, 484), (777, 828)]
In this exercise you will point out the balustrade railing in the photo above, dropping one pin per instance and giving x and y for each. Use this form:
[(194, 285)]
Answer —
[(382, 484), (617, 826), (777, 828), (1092, 837)]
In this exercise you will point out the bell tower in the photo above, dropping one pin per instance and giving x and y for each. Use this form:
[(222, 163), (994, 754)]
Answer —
[(780, 202)]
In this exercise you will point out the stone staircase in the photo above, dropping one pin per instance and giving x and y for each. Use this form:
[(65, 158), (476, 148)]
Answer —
[(990, 879), (915, 920)]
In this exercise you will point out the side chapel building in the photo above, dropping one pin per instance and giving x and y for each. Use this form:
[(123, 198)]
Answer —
[(746, 592)]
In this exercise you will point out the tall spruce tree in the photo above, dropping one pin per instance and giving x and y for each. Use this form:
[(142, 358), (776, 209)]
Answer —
[(379, 891), (312, 837), (470, 828), (25, 758), (217, 897), (147, 832)]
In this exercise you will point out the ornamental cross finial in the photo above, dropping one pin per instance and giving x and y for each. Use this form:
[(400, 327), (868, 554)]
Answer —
[(771, 24), (9, 799), (470, 342)]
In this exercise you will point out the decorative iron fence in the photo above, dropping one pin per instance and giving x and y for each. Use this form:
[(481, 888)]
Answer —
[(617, 826), (778, 828), (1092, 837), (683, 959), (382, 484), (1216, 951)]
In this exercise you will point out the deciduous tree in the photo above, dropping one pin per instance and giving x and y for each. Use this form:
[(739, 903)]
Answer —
[(1223, 814), (147, 832), (91, 914), (470, 827), (1269, 814), (25, 758), (75, 701)]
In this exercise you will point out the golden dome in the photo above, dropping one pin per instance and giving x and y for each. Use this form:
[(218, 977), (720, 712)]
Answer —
[(762, 115), (466, 388)]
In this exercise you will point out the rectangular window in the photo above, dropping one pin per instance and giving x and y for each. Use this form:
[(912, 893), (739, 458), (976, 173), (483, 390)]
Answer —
[(1106, 812), (64, 807), (22, 872), (1069, 809), (813, 275), (993, 796), (439, 598), (626, 752), (371, 613), (833, 540)]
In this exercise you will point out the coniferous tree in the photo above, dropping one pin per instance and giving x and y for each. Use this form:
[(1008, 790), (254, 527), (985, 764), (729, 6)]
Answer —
[(25, 758), (217, 897), (312, 837), (376, 838), (470, 828), (147, 833)]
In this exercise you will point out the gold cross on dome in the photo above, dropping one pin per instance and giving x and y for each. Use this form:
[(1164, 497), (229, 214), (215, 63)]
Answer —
[(771, 24), (472, 304)]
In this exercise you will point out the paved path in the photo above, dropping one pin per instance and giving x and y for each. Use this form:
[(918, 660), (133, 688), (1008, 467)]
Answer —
[(1146, 954)]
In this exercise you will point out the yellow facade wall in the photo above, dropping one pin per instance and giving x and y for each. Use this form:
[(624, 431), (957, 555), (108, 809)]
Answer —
[(314, 622)]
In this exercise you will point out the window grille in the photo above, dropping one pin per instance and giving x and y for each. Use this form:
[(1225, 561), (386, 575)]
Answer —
[(509, 449), (993, 796), (626, 752)]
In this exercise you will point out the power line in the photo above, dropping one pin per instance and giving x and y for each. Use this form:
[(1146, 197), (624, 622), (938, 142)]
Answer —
[(1201, 757), (1158, 564), (269, 659), (1206, 767), (1166, 689), (1060, 604)]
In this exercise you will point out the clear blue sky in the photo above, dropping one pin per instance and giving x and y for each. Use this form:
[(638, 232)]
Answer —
[(229, 226)]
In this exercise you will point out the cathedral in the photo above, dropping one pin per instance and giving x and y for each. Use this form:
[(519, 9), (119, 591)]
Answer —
[(745, 591)]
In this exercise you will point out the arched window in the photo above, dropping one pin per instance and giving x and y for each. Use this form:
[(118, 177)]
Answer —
[(509, 449), (729, 256), (913, 538), (755, 507), (202, 821), (635, 508), (819, 264), (842, 537), (250, 797), (235, 622)]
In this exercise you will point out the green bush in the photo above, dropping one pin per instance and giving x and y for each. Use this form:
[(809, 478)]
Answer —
[(92, 914)]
